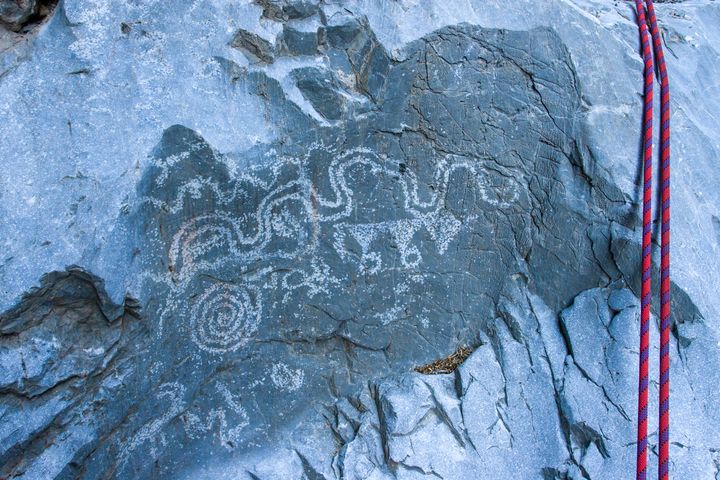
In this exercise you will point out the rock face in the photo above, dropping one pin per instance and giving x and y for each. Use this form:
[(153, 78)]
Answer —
[(251, 224)]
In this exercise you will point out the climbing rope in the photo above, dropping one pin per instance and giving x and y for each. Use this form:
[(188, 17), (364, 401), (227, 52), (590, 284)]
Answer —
[(664, 415), (664, 397)]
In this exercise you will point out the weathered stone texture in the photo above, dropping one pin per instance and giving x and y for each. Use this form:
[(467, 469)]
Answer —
[(252, 222)]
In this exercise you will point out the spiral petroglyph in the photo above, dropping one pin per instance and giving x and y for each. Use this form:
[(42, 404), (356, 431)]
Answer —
[(224, 318), (268, 215)]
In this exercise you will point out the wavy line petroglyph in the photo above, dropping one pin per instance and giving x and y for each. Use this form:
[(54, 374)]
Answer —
[(205, 235), (229, 421), (290, 212), (151, 432)]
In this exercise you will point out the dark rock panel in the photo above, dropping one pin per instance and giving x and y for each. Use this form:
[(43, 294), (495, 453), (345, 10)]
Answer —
[(373, 246), (298, 42)]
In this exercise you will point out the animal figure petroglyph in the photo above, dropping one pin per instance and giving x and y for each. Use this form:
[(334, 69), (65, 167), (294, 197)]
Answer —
[(290, 211)]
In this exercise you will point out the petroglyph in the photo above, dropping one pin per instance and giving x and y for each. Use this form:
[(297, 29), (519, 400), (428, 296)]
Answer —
[(256, 221), (315, 280), (149, 434), (219, 419), (228, 421), (249, 237), (221, 236), (287, 378), (224, 317)]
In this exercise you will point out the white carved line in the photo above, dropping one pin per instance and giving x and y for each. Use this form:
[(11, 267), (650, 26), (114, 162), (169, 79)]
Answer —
[(225, 317), (220, 418), (151, 432)]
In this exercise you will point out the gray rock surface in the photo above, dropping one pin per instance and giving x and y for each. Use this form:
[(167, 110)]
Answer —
[(232, 230)]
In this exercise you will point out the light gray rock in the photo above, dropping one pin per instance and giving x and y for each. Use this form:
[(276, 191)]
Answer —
[(508, 412), (232, 231)]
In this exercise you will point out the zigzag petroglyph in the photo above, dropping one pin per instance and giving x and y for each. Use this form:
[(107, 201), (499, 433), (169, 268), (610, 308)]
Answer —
[(220, 419)]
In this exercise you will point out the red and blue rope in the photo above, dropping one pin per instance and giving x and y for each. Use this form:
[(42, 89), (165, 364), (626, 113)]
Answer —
[(664, 400), (664, 395), (642, 408)]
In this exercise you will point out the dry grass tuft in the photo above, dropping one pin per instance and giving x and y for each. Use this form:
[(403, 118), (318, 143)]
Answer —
[(447, 364)]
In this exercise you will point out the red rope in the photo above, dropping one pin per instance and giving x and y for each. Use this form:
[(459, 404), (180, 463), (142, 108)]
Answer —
[(647, 208), (664, 400), (664, 397)]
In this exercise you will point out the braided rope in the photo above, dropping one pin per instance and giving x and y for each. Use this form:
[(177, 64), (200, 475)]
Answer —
[(664, 400), (642, 408)]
